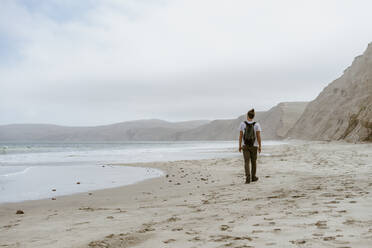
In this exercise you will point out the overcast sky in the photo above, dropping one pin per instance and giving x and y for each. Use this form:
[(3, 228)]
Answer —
[(96, 62)]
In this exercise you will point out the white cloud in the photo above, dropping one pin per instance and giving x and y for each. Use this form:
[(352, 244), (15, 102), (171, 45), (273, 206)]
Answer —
[(121, 60)]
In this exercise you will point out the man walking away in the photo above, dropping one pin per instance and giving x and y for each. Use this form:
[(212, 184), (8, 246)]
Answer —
[(250, 134)]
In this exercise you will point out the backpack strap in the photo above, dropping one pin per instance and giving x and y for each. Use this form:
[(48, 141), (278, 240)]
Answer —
[(246, 123)]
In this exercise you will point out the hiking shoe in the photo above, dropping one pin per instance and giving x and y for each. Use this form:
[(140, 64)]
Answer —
[(254, 179), (247, 180)]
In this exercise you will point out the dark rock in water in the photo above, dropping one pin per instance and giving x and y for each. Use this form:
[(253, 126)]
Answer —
[(78, 183), (53, 189), (89, 193), (54, 199), (20, 212)]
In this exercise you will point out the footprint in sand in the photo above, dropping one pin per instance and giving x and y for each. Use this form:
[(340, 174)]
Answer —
[(270, 244), (169, 241), (224, 238), (321, 224), (173, 219), (329, 238), (195, 239), (10, 226), (317, 234), (81, 223), (298, 242), (177, 229)]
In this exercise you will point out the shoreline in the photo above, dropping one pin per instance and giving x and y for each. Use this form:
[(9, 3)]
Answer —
[(54, 179), (306, 196), (75, 180)]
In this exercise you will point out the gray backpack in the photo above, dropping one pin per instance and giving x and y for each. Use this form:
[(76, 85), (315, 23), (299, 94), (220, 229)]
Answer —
[(249, 135)]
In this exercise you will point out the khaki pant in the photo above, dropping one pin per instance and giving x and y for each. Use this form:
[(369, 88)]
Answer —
[(250, 155)]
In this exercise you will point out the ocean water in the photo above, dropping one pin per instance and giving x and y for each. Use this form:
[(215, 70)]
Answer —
[(31, 171)]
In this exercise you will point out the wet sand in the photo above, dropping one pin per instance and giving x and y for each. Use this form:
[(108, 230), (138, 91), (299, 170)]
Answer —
[(310, 194)]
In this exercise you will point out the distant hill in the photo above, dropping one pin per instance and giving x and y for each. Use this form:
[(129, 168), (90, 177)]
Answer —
[(226, 129), (279, 120), (149, 130), (343, 110), (275, 124)]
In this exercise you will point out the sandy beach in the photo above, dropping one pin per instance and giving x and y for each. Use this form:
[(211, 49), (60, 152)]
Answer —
[(310, 194)]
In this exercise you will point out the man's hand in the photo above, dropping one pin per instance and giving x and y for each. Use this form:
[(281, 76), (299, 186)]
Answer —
[(240, 149), (259, 149)]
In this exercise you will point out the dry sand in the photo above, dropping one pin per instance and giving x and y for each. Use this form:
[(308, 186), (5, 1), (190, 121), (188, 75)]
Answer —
[(309, 195)]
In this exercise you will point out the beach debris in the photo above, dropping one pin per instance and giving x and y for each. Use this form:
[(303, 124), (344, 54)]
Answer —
[(90, 193), (110, 217), (224, 227), (53, 199), (20, 212), (77, 182), (54, 190)]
